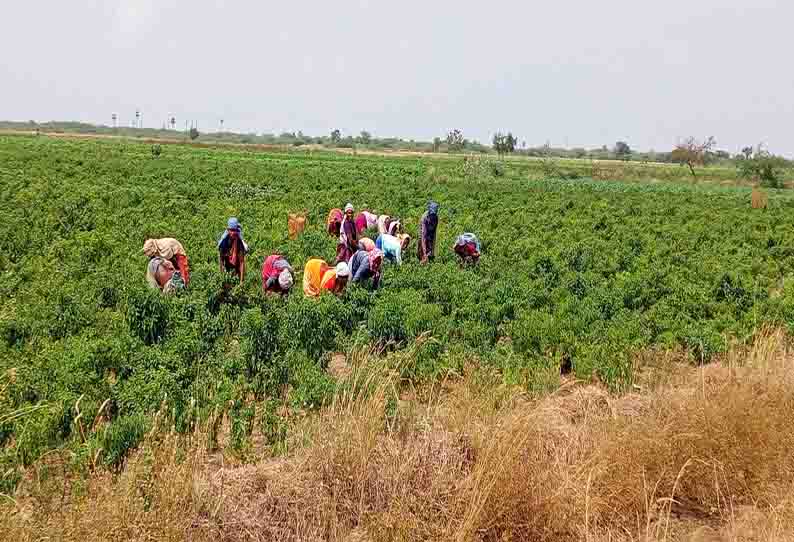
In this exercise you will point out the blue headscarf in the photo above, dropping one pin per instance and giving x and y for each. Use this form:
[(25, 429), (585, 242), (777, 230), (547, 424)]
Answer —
[(432, 208), (233, 224)]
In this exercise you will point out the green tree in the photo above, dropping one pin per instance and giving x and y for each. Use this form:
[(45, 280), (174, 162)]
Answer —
[(761, 166), (365, 138), (336, 136), (455, 140), (436, 144), (622, 150), (504, 144), (194, 133)]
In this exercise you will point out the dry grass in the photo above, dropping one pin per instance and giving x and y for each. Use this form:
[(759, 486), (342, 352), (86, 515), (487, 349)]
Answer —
[(704, 456)]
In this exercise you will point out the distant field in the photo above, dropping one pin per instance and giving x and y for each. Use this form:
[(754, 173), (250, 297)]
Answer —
[(575, 271), (634, 170)]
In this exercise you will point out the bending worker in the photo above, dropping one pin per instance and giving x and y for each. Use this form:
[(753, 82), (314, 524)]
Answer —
[(427, 233), (365, 265), (162, 275), (319, 276), (387, 224), (393, 246), (365, 243), (334, 222), (232, 249), (365, 220), (169, 249), (467, 247), (277, 275), (348, 237)]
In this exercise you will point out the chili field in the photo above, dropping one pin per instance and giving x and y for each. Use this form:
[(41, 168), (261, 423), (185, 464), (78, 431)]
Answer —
[(581, 272)]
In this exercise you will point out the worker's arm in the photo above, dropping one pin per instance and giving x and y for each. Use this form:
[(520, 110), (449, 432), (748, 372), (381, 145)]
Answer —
[(242, 268), (220, 262), (376, 280)]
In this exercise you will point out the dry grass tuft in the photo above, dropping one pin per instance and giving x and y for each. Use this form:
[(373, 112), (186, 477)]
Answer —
[(703, 456)]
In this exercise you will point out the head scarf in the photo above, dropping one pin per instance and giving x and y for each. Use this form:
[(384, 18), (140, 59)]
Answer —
[(285, 280), (233, 225), (404, 239), (349, 208), (394, 227), (375, 258), (432, 208), (342, 270), (150, 248)]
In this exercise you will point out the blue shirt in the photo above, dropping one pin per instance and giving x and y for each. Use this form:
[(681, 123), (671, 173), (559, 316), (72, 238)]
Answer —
[(391, 247)]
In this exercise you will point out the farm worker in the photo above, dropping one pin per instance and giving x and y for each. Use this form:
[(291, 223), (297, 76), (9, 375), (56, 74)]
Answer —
[(387, 224), (277, 275), (334, 222), (232, 249), (365, 220), (169, 249), (365, 243), (427, 233), (365, 265), (162, 275), (348, 237), (319, 276), (393, 246), (467, 247)]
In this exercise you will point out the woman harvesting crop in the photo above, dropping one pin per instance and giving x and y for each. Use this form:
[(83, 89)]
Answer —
[(348, 236), (319, 276), (232, 249)]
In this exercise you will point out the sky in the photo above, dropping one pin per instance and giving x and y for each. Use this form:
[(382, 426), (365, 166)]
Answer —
[(579, 73)]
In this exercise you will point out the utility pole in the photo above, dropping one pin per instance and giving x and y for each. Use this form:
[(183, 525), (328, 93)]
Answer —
[(115, 118), (137, 117)]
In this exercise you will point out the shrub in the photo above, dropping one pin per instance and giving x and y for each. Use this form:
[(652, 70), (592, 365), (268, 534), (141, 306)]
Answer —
[(122, 436), (147, 315)]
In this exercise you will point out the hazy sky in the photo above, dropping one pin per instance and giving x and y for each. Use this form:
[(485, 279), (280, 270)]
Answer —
[(581, 73)]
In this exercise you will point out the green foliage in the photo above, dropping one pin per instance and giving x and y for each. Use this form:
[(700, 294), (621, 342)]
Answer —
[(583, 272), (147, 314), (760, 164), (122, 436), (504, 144)]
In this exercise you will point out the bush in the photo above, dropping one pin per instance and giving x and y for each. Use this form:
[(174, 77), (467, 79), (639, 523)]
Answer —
[(147, 315), (122, 436)]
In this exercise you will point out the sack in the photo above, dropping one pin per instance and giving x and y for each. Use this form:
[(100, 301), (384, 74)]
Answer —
[(296, 224)]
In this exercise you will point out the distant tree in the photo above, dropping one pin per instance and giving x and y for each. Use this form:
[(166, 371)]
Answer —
[(194, 133), (455, 140), (693, 152), (173, 123), (504, 144), (436, 144), (336, 136), (762, 166), (365, 138), (622, 150)]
